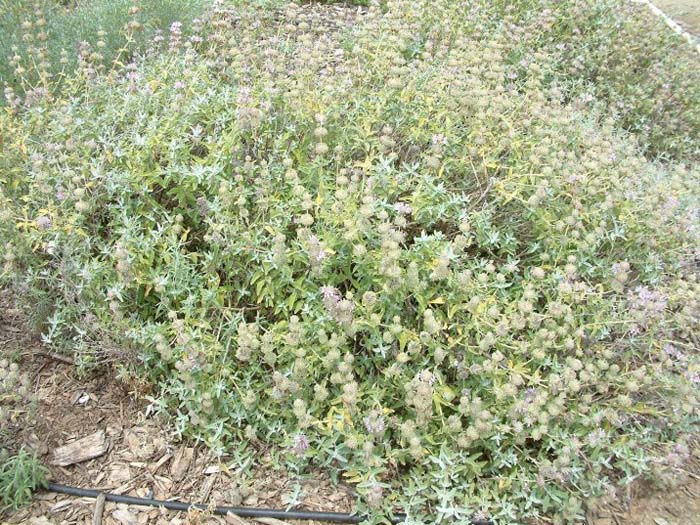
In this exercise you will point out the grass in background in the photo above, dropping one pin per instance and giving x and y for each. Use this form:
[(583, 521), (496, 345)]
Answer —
[(67, 26)]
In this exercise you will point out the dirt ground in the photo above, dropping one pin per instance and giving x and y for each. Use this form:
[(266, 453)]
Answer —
[(645, 505), (685, 12)]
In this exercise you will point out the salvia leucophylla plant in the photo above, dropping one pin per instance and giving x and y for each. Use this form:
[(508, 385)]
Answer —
[(617, 53), (402, 251)]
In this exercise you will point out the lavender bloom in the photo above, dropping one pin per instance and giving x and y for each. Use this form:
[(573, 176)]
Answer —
[(316, 251), (403, 208), (647, 305), (438, 139), (175, 35), (339, 309), (652, 302), (34, 96), (672, 351), (427, 376), (670, 206), (203, 206), (43, 222), (301, 444), (530, 395), (375, 497), (331, 297), (618, 268), (374, 422), (596, 437)]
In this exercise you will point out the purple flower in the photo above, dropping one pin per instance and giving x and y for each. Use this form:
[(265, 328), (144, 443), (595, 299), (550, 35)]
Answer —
[(375, 496), (402, 208), (596, 437), (203, 206), (672, 351), (438, 138), (670, 205), (652, 302), (339, 309), (530, 395), (426, 376), (175, 34), (331, 297), (586, 98), (43, 222), (316, 252), (618, 268), (301, 444), (374, 422)]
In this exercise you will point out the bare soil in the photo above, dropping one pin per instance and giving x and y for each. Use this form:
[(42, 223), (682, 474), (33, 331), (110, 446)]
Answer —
[(647, 505)]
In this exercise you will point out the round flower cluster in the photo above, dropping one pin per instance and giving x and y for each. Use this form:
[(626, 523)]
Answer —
[(16, 394)]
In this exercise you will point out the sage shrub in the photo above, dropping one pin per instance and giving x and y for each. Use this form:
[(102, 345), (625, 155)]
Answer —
[(381, 251)]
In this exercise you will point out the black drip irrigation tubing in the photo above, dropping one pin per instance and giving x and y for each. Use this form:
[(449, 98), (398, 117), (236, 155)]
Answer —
[(243, 512)]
